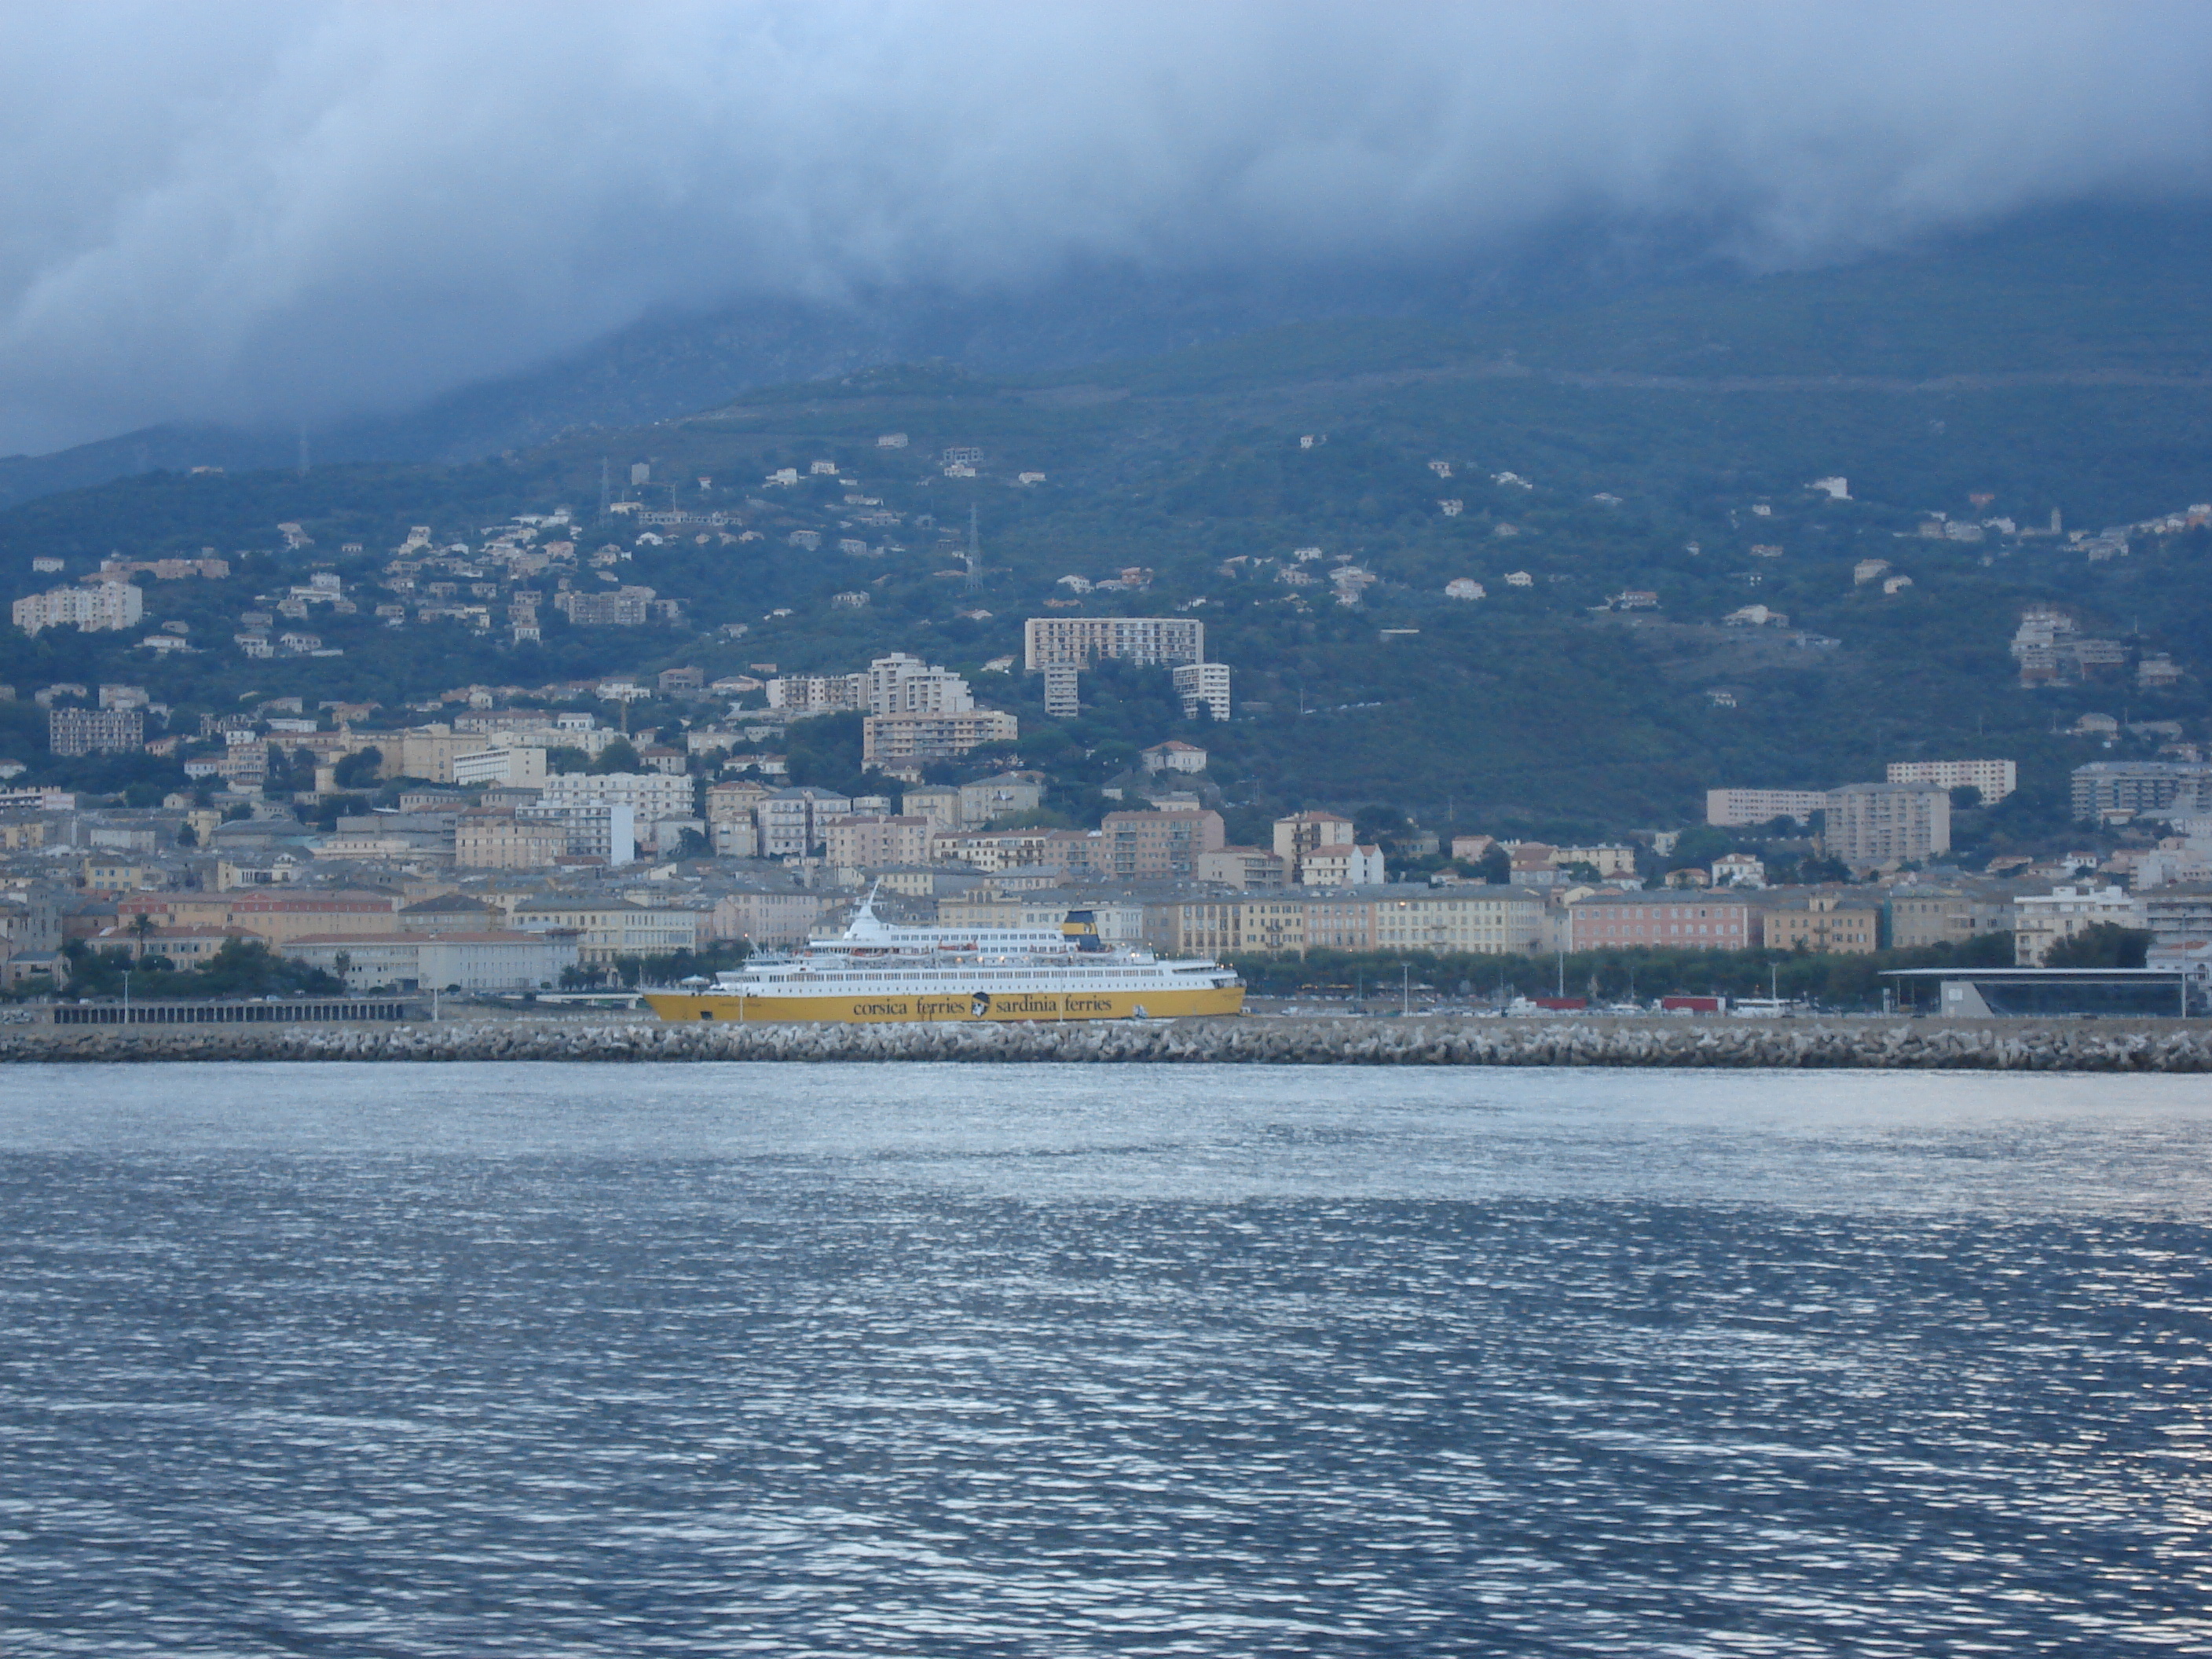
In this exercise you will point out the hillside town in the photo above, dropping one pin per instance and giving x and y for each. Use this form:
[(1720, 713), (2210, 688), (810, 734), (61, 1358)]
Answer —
[(508, 862), (515, 839)]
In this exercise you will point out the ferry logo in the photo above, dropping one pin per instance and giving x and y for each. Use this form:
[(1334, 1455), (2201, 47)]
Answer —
[(980, 1005)]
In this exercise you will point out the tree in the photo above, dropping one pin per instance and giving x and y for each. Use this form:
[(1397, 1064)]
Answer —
[(620, 755), (1372, 824), (2102, 945), (358, 770), (825, 751), (1700, 844)]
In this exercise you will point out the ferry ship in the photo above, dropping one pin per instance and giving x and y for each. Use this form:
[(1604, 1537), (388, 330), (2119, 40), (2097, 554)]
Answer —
[(878, 970)]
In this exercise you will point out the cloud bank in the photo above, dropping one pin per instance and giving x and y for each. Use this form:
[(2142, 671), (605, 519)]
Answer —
[(277, 211)]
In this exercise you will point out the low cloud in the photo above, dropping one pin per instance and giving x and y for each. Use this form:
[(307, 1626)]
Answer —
[(300, 211)]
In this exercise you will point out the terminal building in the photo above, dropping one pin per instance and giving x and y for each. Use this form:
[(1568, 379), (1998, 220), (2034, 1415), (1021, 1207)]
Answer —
[(2049, 992)]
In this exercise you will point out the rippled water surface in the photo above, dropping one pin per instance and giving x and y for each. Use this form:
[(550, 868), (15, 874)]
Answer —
[(541, 1360)]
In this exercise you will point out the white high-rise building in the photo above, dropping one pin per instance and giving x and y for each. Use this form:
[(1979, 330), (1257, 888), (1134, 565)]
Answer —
[(814, 692), (1063, 699), (1736, 809), (593, 829), (1996, 779), (1082, 641), (651, 796), (896, 684), (1876, 822), (95, 607), (1206, 682), (900, 684)]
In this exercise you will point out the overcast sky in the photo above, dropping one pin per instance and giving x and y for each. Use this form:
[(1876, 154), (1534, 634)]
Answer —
[(297, 210)]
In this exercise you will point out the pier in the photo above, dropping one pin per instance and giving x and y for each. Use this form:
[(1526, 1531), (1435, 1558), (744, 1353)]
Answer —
[(1861, 1043)]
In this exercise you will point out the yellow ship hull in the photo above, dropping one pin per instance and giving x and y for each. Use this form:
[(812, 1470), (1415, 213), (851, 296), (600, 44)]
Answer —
[(686, 1007)]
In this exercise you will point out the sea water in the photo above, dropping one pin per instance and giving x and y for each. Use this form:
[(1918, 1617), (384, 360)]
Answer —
[(699, 1359)]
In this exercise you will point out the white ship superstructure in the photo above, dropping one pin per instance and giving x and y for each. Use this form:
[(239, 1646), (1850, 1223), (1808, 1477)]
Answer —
[(880, 970)]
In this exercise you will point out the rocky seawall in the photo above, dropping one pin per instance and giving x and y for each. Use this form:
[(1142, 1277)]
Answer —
[(1857, 1044)]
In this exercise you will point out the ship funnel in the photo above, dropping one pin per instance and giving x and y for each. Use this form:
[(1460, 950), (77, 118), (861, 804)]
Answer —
[(1082, 926)]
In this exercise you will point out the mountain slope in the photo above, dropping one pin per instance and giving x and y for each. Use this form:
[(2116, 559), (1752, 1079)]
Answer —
[(2083, 291), (1533, 708)]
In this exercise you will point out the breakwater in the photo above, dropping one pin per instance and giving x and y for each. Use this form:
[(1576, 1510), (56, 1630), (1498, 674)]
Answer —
[(1855, 1044)]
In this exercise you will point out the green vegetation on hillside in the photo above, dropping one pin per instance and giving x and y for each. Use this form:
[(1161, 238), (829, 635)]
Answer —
[(1660, 445)]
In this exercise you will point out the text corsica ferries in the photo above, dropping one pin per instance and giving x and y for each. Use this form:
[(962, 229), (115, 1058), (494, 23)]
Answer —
[(876, 970)]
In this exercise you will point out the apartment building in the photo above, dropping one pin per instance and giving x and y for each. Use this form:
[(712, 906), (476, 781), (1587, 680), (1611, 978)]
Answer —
[(734, 803), (1670, 921), (95, 607), (1000, 797), (183, 947), (1736, 809), (1202, 686), (608, 928), (500, 841), (991, 851), (1608, 859), (856, 840), (276, 918), (775, 917), (1461, 919), (95, 731), (1157, 845), (515, 766), (900, 684), (792, 821), (2176, 917), (1080, 641), (1259, 924), (451, 913), (1872, 824), (1173, 756), (1247, 868), (432, 753), (650, 796), (1826, 924), (1921, 915), (602, 829), (818, 694), (896, 740), (1304, 832), (2045, 920), (1341, 865), (2180, 787), (1063, 691), (896, 684), (1318, 849), (939, 803), (625, 607), (1339, 920), (491, 960), (1996, 779)]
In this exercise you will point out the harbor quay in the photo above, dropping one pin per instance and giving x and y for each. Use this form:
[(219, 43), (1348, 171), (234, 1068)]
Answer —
[(1865, 1043)]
